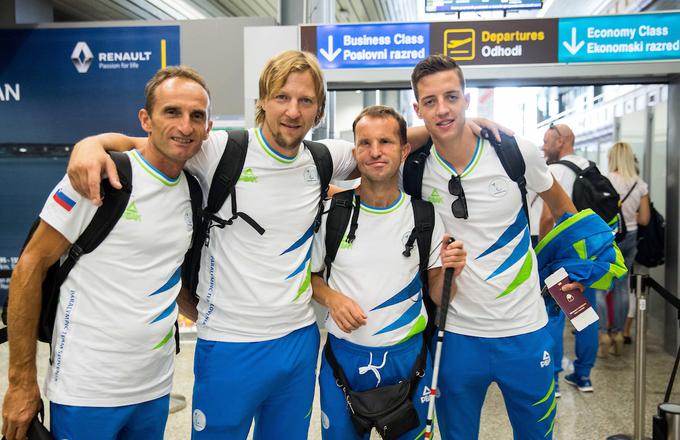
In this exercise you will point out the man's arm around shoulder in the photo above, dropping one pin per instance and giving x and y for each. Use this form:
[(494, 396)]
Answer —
[(89, 162), (22, 399)]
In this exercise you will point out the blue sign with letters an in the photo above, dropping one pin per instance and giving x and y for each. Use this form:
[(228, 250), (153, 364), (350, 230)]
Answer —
[(60, 85), (641, 37), (372, 45)]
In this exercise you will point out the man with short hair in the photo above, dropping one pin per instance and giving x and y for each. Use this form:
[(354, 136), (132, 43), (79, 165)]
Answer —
[(111, 367), (496, 326), (374, 292), (558, 144)]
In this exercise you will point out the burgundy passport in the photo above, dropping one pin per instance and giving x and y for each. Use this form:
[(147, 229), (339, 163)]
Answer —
[(574, 305)]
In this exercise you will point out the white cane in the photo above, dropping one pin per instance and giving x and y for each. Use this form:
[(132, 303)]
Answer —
[(440, 321)]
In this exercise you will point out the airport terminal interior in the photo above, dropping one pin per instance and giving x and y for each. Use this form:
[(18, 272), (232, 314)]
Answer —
[(529, 65)]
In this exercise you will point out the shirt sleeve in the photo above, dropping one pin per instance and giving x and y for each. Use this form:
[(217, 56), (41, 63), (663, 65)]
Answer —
[(66, 211), (643, 188), (319, 245), (537, 175), (436, 243), (343, 160)]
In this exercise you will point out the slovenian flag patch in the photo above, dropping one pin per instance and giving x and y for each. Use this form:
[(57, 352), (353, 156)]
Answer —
[(63, 200)]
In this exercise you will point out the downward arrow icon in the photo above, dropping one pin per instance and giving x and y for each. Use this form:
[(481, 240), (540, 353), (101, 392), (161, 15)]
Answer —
[(573, 48), (330, 55)]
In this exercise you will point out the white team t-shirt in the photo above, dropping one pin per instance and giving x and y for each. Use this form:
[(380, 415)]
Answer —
[(256, 287), (373, 272), (498, 292), (113, 339)]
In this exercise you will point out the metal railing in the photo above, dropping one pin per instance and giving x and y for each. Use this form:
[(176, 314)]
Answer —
[(666, 424)]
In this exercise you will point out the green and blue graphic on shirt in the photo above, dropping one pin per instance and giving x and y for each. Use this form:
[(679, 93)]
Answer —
[(305, 265), (172, 282), (522, 250)]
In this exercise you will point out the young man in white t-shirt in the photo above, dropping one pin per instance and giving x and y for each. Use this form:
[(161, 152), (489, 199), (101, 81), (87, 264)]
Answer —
[(374, 293), (112, 349), (496, 326)]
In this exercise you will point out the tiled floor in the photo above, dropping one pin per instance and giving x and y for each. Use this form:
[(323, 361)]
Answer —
[(592, 416)]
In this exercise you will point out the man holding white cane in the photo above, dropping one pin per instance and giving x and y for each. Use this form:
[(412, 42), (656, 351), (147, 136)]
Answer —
[(375, 358)]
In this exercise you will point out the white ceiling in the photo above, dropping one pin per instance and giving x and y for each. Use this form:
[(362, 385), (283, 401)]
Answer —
[(346, 11)]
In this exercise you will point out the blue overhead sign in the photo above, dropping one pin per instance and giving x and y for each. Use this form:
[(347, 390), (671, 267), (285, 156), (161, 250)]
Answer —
[(60, 85), (641, 37), (372, 45)]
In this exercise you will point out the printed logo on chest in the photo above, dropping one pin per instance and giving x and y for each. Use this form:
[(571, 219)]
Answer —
[(311, 175), (498, 187)]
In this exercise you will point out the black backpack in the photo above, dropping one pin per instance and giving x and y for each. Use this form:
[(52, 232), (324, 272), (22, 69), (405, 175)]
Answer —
[(102, 223), (593, 190), (507, 151), (651, 240), (223, 184)]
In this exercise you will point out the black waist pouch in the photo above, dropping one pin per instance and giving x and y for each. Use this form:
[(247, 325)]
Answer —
[(388, 409)]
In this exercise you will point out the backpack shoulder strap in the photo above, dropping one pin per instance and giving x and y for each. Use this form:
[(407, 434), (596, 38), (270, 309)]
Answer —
[(323, 161), (511, 158), (106, 217), (572, 166), (193, 255), (224, 181), (414, 167), (228, 170), (196, 197), (190, 276), (423, 217), (324, 166), (339, 214)]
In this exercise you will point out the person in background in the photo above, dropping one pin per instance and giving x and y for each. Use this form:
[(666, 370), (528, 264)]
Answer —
[(634, 194), (558, 144)]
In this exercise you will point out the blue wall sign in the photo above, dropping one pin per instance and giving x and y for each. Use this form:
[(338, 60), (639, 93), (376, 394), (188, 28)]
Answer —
[(60, 85), (641, 37), (373, 45)]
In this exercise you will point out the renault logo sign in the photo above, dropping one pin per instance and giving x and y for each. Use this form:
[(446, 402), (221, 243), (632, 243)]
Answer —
[(81, 57)]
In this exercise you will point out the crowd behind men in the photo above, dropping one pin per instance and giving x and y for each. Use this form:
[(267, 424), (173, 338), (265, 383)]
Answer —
[(258, 342)]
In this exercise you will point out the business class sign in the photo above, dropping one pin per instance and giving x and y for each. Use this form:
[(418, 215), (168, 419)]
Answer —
[(375, 45)]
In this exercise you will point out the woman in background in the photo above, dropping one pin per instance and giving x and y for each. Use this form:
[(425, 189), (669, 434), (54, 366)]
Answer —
[(634, 195)]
